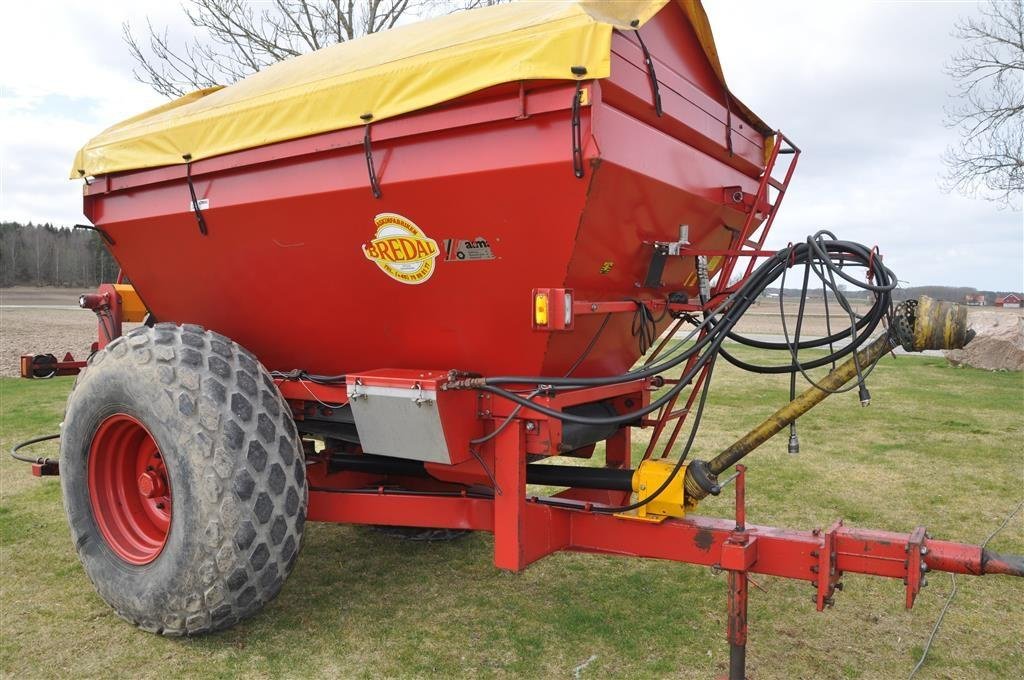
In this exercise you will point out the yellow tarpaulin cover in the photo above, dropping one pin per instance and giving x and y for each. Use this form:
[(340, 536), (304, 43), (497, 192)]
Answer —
[(387, 74)]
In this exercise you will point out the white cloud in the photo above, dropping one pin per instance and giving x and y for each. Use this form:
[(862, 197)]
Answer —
[(64, 76), (858, 85)]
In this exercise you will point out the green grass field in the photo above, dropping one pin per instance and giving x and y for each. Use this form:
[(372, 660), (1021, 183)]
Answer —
[(939, 446)]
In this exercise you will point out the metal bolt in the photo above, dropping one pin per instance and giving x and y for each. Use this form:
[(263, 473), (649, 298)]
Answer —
[(839, 587), (924, 550), (924, 567), (814, 553), (593, 307), (829, 601), (530, 426), (816, 531), (814, 568)]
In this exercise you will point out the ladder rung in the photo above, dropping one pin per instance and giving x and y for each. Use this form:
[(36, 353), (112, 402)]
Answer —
[(776, 183), (753, 245)]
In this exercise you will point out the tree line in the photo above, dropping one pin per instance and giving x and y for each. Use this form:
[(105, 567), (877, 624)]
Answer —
[(48, 255), (948, 293)]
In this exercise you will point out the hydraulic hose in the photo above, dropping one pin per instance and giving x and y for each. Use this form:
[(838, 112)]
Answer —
[(924, 324), (29, 442), (821, 250)]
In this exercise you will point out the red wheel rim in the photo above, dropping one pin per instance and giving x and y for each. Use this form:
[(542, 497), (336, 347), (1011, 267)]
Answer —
[(129, 489)]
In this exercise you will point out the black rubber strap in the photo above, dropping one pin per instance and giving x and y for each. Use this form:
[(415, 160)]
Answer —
[(577, 135), (200, 220), (105, 235), (368, 152), (649, 63)]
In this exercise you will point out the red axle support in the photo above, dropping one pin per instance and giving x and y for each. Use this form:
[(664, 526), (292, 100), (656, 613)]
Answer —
[(529, 528), (113, 304), (695, 540), (48, 366), (106, 303)]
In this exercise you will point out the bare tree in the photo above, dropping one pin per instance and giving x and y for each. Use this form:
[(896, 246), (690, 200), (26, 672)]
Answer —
[(236, 38), (988, 159)]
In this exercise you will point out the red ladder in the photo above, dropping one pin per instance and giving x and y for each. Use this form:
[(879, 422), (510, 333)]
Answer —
[(743, 244)]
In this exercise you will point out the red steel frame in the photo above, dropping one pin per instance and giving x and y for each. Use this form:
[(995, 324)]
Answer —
[(489, 492), (527, 527)]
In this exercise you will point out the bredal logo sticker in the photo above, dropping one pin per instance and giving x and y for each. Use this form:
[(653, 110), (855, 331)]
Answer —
[(401, 250)]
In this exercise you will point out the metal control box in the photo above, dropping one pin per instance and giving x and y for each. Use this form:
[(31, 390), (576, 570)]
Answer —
[(407, 414)]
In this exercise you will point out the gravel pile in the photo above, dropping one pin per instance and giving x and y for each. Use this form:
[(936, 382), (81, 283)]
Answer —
[(999, 344)]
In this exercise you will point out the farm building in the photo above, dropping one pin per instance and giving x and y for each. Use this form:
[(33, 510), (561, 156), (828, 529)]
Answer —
[(974, 299), (1011, 301)]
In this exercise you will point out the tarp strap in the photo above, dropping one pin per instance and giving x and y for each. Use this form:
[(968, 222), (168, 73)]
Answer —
[(368, 151), (105, 235), (200, 220), (649, 62), (577, 135)]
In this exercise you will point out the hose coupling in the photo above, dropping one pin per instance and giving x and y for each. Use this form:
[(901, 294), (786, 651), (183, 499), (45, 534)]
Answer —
[(794, 440), (465, 384)]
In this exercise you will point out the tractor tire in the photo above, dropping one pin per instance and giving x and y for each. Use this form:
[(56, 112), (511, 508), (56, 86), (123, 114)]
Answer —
[(183, 479)]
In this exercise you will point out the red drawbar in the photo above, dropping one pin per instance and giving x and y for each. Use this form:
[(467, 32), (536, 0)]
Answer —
[(129, 489)]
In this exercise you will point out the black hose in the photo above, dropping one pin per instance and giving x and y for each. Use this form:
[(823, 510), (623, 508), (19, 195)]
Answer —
[(820, 250), (29, 442)]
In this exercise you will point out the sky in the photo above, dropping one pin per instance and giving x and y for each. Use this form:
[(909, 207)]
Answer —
[(858, 85)]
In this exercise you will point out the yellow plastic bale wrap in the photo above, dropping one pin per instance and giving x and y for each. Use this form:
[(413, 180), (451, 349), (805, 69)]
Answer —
[(385, 74)]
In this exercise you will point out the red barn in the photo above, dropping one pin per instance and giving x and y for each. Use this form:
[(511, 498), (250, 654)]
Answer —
[(1010, 301)]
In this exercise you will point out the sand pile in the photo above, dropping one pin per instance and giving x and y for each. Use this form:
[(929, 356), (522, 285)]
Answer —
[(999, 344)]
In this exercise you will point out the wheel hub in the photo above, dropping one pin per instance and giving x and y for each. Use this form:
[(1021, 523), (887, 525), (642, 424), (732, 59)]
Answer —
[(129, 489), (151, 484)]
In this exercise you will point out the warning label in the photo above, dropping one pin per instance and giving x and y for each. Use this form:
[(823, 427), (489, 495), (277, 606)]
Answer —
[(467, 250)]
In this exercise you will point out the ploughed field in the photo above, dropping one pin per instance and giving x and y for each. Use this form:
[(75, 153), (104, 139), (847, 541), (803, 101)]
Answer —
[(47, 320), (939, 446), (43, 321)]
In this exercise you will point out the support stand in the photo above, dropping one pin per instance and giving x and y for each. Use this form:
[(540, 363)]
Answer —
[(745, 547)]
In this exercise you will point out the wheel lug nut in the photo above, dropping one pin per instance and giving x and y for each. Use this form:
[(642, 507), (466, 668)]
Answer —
[(151, 485)]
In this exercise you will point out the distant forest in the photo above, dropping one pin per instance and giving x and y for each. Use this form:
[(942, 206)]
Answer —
[(45, 255), (948, 293)]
